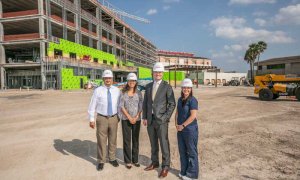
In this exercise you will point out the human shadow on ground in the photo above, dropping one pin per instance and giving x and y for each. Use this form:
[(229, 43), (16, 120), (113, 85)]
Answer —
[(87, 150)]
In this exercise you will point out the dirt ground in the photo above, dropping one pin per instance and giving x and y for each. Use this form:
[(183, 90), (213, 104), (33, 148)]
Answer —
[(45, 135)]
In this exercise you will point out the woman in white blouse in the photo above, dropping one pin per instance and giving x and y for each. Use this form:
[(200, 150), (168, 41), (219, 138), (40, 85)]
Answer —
[(129, 111)]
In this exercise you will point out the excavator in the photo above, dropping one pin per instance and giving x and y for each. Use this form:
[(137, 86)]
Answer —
[(271, 86)]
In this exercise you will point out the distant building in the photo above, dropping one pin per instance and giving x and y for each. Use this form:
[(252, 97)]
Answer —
[(207, 78), (181, 58), (283, 65)]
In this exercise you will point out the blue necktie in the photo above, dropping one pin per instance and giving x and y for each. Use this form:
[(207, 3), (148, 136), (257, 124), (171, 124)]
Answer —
[(109, 104)]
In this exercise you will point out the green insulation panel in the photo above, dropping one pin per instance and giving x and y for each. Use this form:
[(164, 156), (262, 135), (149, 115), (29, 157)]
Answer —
[(71, 82), (68, 47), (179, 76), (144, 73), (129, 63)]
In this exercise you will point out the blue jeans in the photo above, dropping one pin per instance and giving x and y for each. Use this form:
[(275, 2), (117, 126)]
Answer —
[(187, 143)]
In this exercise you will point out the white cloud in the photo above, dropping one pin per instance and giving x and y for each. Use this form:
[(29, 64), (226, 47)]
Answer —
[(224, 21), (235, 47), (151, 11), (259, 13), (222, 55), (225, 56), (166, 8), (295, 1), (260, 22), (288, 15), (245, 2), (171, 1), (236, 29)]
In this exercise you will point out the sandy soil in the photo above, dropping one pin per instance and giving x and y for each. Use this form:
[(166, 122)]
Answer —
[(45, 135)]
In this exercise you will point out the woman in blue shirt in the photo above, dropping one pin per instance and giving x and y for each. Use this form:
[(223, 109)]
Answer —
[(187, 131)]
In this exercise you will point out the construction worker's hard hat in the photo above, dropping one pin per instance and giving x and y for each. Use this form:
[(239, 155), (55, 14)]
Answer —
[(107, 73), (158, 67), (187, 83), (131, 76)]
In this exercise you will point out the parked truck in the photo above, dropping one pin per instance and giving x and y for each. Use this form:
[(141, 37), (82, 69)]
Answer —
[(272, 86)]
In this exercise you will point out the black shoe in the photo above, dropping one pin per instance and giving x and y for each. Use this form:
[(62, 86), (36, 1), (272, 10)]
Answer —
[(114, 163), (136, 164), (128, 166), (100, 166)]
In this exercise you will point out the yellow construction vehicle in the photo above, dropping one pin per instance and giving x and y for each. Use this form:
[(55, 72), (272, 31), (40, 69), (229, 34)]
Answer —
[(271, 86)]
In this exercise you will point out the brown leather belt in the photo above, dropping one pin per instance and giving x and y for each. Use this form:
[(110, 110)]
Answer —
[(106, 116)]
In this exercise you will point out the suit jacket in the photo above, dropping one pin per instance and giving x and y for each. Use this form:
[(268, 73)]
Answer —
[(163, 104)]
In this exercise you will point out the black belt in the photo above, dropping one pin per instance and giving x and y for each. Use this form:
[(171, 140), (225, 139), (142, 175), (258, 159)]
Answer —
[(106, 116)]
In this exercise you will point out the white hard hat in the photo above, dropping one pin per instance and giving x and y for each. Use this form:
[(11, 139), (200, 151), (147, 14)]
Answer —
[(158, 67), (131, 76), (187, 83), (107, 73)]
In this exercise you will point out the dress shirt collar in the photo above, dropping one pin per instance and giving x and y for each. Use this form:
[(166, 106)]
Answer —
[(107, 87), (157, 82)]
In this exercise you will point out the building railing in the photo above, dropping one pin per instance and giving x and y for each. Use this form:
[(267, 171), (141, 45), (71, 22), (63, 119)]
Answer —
[(29, 36), (70, 24), (56, 18), (20, 13), (68, 4), (89, 32), (89, 16), (88, 63)]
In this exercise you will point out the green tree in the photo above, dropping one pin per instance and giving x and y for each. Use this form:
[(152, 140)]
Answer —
[(253, 52), (250, 57), (261, 47)]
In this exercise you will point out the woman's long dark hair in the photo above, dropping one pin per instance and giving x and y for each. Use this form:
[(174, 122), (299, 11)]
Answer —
[(185, 100), (126, 88)]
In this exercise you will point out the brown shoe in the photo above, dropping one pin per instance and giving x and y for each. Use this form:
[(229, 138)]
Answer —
[(151, 167), (163, 173)]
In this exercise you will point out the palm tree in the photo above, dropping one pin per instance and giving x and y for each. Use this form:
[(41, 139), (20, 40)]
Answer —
[(261, 47), (254, 51), (250, 57)]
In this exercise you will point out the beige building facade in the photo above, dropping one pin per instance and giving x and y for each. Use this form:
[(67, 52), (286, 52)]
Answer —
[(181, 58), (284, 65)]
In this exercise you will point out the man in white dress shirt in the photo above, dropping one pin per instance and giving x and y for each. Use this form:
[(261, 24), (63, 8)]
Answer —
[(104, 104)]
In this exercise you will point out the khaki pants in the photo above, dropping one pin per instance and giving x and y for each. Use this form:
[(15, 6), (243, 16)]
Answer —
[(106, 130)]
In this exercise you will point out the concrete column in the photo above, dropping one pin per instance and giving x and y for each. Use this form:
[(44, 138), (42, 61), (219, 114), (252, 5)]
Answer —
[(59, 78), (113, 23), (48, 13), (64, 17), (90, 39), (40, 7), (77, 21), (113, 36), (2, 62), (99, 29), (42, 28), (124, 31), (2, 54), (1, 32), (1, 9), (2, 79), (43, 60), (125, 51)]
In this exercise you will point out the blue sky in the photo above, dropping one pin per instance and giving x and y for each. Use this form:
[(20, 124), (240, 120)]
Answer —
[(219, 29)]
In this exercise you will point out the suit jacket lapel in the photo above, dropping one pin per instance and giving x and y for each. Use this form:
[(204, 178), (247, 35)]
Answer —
[(151, 89), (158, 90)]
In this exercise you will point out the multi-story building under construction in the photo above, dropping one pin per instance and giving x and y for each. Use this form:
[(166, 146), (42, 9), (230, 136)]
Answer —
[(61, 44)]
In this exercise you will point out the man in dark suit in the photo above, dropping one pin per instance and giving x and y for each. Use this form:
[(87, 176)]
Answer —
[(159, 104)]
